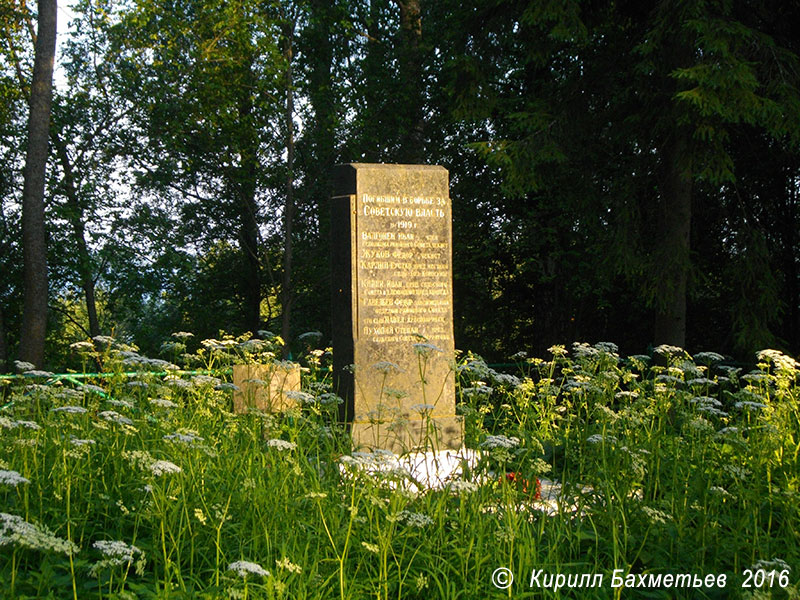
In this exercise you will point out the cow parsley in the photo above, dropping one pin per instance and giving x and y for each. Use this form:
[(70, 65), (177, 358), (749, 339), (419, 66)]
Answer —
[(15, 530), (244, 568)]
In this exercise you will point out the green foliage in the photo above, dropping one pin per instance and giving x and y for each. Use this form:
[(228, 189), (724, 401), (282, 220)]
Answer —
[(556, 121)]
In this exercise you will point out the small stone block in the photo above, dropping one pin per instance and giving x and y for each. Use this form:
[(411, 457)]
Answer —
[(264, 387)]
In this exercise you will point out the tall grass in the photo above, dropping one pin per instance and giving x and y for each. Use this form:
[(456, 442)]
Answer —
[(667, 464)]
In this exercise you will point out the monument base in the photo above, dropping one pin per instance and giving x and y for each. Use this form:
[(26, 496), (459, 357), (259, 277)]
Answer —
[(408, 435)]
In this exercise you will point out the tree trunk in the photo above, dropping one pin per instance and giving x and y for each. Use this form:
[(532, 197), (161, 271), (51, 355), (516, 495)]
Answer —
[(248, 237), (79, 231), (3, 344), (792, 322), (411, 81), (322, 97), (323, 102), (34, 316), (286, 292), (674, 237)]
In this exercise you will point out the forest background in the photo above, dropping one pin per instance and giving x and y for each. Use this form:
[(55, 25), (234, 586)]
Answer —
[(625, 171)]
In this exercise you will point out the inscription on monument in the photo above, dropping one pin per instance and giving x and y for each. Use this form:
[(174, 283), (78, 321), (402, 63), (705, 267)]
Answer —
[(392, 277), (419, 298)]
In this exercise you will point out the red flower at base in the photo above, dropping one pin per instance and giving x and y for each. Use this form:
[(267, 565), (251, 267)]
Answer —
[(524, 485)]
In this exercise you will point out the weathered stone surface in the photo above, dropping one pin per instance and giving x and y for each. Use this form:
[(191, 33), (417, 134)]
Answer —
[(392, 305), (264, 387)]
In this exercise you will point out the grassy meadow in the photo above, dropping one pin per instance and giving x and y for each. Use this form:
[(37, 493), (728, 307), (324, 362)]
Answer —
[(140, 482)]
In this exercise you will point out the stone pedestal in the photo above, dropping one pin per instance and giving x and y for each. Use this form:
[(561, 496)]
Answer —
[(393, 306)]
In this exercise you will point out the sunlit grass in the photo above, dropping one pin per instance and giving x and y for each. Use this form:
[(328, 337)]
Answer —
[(149, 486)]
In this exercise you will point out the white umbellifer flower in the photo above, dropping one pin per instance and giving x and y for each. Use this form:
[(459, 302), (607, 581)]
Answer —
[(185, 438), (721, 492), (329, 398), (12, 478), (89, 387), (713, 411), (309, 336), (300, 396), (161, 467), (117, 554), (737, 472), (82, 346), (625, 394), (779, 359), (505, 378), (708, 357), (607, 347), (120, 403), (669, 350), (387, 367), (756, 377), (746, 404), (374, 548), (288, 565), (701, 425), (226, 387), (79, 442), (463, 487), (641, 358), (700, 381), (162, 403), (37, 373), (69, 394), (15, 530), (422, 408), (140, 459), (23, 366), (244, 568), (728, 431), (413, 519), (316, 495), (281, 445), (116, 549), (426, 349), (201, 380), (776, 564), (27, 442), (28, 425), (584, 350), (287, 366), (477, 390), (500, 441), (655, 515), (599, 438), (70, 410), (253, 345), (705, 401), (394, 393), (114, 417), (177, 382)]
